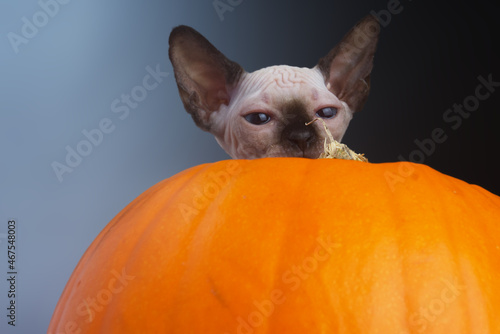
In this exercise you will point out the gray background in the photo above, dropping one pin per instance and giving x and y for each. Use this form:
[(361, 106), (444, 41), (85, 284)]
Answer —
[(65, 78)]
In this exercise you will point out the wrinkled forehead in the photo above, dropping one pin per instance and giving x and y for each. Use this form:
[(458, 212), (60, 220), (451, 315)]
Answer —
[(283, 79)]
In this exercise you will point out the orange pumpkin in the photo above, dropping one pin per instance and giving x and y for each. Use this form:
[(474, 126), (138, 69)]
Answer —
[(290, 245)]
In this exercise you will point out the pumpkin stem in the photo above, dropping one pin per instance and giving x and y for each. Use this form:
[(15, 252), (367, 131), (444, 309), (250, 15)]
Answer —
[(336, 150)]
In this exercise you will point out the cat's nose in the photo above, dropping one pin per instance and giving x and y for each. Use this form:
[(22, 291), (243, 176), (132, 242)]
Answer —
[(301, 138)]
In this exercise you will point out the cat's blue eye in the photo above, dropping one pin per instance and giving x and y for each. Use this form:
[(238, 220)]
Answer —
[(328, 112), (258, 118)]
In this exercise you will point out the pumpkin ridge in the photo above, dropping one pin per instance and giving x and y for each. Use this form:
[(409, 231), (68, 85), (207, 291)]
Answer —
[(180, 194), (197, 179), (286, 235), (401, 234), (199, 223)]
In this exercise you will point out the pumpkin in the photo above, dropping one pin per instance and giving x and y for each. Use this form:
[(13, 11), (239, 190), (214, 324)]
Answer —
[(291, 245)]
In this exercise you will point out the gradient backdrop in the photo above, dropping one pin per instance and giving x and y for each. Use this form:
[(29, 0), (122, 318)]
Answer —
[(62, 77)]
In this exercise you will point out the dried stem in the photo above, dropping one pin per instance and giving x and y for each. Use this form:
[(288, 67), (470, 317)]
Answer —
[(336, 150)]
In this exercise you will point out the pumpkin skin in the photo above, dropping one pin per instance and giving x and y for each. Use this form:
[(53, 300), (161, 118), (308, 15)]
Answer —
[(291, 245)]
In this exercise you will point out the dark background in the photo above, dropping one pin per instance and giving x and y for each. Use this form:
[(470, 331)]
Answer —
[(64, 80), (429, 57)]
